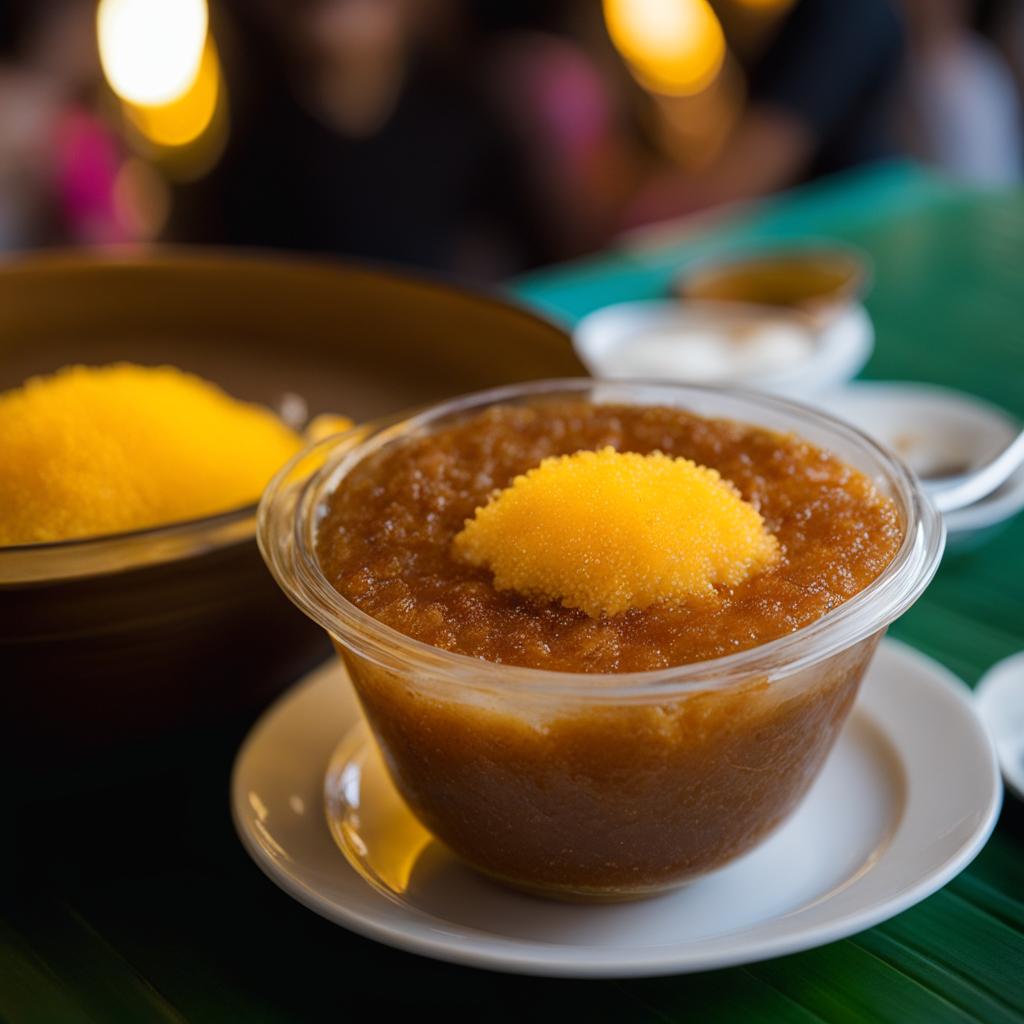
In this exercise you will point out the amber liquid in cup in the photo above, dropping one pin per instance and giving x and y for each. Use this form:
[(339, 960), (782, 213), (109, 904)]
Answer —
[(607, 802)]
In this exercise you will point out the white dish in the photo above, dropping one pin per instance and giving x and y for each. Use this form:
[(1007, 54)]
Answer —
[(933, 427), (635, 340), (892, 818), (999, 699)]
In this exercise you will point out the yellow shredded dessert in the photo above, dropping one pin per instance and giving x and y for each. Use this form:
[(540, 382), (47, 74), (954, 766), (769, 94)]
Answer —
[(606, 531), (100, 450), (327, 424)]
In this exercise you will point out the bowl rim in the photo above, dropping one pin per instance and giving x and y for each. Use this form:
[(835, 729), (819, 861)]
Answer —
[(286, 534), (103, 554)]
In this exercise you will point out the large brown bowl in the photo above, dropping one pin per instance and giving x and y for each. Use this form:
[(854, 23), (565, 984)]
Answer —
[(132, 635)]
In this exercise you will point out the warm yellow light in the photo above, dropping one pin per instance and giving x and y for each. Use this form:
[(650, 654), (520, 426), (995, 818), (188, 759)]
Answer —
[(692, 130), (184, 119), (151, 49), (674, 47)]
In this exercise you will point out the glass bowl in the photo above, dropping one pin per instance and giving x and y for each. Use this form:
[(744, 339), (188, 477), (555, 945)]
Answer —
[(602, 786)]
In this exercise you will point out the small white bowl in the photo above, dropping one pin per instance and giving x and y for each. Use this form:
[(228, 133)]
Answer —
[(937, 430), (721, 343), (999, 699)]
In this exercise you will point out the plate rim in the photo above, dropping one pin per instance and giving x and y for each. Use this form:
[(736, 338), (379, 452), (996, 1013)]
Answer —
[(516, 959), (993, 679)]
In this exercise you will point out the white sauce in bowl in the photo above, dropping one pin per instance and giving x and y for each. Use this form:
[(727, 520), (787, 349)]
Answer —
[(721, 343), (701, 353)]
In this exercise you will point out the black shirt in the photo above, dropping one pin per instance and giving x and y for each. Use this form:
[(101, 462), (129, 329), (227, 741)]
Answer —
[(834, 66)]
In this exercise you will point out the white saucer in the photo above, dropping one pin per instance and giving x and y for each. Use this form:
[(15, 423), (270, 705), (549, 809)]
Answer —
[(999, 699), (906, 800), (931, 426)]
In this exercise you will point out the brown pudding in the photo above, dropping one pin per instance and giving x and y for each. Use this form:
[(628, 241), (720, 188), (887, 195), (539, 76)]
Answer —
[(611, 796)]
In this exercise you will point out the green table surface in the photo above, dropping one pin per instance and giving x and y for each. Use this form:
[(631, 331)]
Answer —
[(132, 899)]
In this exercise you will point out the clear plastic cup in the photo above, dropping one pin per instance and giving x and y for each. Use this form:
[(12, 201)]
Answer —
[(602, 786)]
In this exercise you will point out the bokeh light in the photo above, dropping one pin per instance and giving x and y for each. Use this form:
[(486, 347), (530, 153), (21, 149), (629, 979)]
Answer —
[(692, 130), (185, 118), (765, 5), (674, 47), (151, 50)]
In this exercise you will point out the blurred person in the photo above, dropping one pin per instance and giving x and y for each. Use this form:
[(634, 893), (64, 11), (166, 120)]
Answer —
[(28, 113), (59, 157), (1002, 21), (359, 127), (806, 90), (818, 100), (572, 132), (964, 106)]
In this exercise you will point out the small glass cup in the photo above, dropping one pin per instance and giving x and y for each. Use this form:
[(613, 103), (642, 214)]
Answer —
[(602, 786)]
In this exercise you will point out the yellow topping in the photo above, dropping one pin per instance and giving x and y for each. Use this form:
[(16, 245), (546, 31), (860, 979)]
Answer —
[(327, 424), (92, 451), (607, 531)]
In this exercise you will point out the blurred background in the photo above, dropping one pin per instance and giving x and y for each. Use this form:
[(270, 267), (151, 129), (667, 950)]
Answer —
[(476, 139)]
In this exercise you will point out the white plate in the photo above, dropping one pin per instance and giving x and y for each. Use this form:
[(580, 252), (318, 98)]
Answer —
[(906, 800), (999, 699), (930, 425), (602, 340)]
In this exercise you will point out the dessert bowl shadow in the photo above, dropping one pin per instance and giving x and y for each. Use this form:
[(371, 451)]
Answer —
[(598, 786)]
